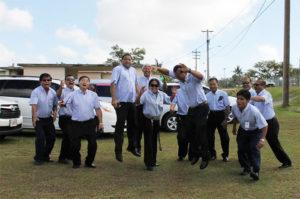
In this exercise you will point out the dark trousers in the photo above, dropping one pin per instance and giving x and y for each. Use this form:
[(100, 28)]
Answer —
[(272, 138), (64, 123), (140, 123), (197, 118), (182, 136), (151, 131), (45, 138), (215, 119), (86, 130), (125, 112), (247, 141)]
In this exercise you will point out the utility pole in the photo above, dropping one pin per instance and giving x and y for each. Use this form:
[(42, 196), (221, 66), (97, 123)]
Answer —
[(196, 57), (286, 54), (207, 51)]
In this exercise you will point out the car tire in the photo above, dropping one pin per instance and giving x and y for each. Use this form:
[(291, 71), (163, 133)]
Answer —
[(2, 137), (229, 118), (170, 122)]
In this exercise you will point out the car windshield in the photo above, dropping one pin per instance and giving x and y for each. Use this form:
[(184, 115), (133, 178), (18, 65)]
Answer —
[(103, 90)]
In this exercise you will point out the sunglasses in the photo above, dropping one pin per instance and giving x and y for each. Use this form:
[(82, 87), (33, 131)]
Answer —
[(154, 85), (46, 80)]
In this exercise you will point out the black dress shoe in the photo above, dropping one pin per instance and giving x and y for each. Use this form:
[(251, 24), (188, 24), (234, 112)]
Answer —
[(225, 158), (190, 158), (194, 160), (213, 157), (135, 152), (203, 164), (254, 175), (48, 160), (285, 165), (180, 159), (149, 168), (76, 166), (245, 172), (119, 157), (155, 165), (93, 166), (38, 162)]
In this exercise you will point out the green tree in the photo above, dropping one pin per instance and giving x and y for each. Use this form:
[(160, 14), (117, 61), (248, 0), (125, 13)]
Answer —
[(237, 75), (117, 53), (268, 69)]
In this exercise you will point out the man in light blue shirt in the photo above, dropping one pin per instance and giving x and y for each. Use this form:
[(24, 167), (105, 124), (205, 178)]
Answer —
[(251, 133), (190, 83), (83, 104), (183, 138), (152, 101), (217, 118), (43, 101), (64, 122), (124, 91), (264, 102)]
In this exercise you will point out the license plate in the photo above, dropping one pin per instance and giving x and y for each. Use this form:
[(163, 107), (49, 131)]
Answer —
[(13, 122)]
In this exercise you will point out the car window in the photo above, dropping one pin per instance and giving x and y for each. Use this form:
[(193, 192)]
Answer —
[(103, 90), (18, 88), (206, 90)]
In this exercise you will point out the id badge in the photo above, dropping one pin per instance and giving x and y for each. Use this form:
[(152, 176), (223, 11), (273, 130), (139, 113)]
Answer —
[(247, 125)]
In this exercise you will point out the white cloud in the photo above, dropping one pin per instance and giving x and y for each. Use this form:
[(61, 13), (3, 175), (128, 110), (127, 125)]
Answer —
[(66, 52), (11, 19), (95, 56), (164, 28), (268, 52), (75, 35), (7, 56)]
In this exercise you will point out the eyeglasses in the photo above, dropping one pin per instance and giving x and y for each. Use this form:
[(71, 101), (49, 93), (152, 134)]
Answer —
[(154, 85), (246, 83), (70, 79), (46, 80)]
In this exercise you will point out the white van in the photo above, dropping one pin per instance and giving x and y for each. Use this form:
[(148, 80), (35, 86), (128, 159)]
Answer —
[(18, 89), (10, 118)]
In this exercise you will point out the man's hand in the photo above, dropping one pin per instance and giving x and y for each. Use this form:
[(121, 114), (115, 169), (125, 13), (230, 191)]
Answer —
[(54, 115), (34, 119), (114, 103), (62, 83), (100, 126), (224, 123), (61, 103), (261, 143)]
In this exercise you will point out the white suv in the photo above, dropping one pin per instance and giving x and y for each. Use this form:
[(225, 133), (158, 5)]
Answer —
[(10, 118), (18, 89)]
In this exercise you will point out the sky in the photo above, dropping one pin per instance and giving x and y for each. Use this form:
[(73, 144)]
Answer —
[(83, 31)]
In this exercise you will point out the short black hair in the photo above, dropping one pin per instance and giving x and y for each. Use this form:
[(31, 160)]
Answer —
[(126, 54), (69, 75), (45, 75), (84, 76), (152, 80), (178, 66), (213, 79), (244, 93)]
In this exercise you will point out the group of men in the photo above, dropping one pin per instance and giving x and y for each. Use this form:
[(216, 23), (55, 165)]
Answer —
[(198, 116)]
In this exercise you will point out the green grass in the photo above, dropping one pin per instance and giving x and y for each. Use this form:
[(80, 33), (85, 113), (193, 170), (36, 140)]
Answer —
[(19, 178)]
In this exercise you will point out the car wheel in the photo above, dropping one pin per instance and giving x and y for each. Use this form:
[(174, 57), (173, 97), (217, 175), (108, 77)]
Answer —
[(2, 137), (230, 118), (170, 122)]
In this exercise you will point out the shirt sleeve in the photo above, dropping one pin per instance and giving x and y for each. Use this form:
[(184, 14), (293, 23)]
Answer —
[(167, 99), (143, 98), (172, 74), (260, 120), (33, 98), (175, 100), (226, 100), (233, 112), (267, 97), (115, 75), (195, 79), (96, 101)]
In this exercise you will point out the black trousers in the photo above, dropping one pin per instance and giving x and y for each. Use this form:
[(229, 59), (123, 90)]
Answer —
[(125, 112), (151, 131), (86, 130), (64, 123), (45, 138), (247, 141), (140, 122), (214, 121), (182, 137), (197, 119), (272, 138)]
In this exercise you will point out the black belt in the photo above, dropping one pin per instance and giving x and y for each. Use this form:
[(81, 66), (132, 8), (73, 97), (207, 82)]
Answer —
[(83, 122), (65, 116), (199, 105), (44, 118), (249, 131), (216, 111)]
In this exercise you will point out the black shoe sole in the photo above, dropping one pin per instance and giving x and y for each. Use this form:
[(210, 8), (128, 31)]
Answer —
[(254, 176)]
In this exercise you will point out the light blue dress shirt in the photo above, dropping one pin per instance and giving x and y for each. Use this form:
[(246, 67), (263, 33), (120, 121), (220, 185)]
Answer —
[(125, 80), (83, 105), (217, 101), (250, 118), (64, 96), (266, 107), (153, 103), (181, 102), (193, 90), (46, 101)]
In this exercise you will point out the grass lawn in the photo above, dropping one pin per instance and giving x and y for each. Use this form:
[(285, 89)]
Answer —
[(19, 178)]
